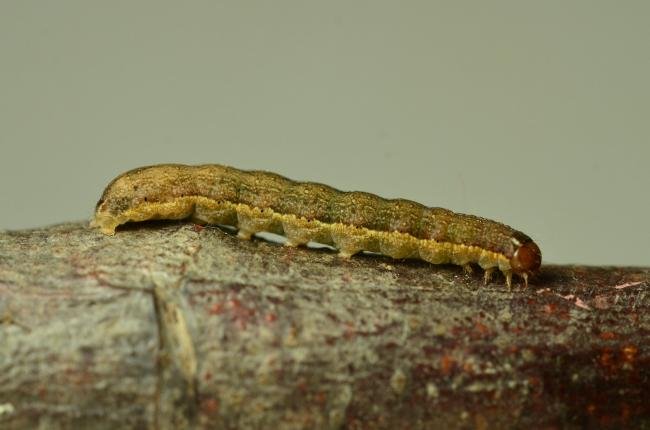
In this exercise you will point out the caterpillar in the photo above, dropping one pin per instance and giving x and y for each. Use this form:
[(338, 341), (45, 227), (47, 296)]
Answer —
[(257, 201)]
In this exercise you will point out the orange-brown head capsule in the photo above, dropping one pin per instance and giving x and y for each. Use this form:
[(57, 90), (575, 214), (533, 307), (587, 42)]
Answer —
[(527, 258)]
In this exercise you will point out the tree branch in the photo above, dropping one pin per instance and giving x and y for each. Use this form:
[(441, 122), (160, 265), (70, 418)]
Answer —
[(171, 325)]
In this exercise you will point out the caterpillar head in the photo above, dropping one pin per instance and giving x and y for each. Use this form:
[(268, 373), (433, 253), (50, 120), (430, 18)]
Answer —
[(526, 259)]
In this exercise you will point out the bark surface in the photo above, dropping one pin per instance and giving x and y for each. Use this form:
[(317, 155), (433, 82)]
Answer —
[(171, 325)]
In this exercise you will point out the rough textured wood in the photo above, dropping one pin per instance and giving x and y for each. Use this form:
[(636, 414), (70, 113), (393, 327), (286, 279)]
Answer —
[(177, 326)]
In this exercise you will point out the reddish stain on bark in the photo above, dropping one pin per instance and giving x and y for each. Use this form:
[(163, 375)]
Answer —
[(216, 309), (468, 367), (238, 312), (447, 364), (210, 406), (481, 329), (607, 359), (629, 354), (608, 335), (549, 308), (320, 398)]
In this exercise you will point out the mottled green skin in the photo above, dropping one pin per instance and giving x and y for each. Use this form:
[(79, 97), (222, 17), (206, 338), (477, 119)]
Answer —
[(309, 200)]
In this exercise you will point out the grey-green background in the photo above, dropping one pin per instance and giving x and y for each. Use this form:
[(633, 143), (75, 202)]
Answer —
[(535, 113)]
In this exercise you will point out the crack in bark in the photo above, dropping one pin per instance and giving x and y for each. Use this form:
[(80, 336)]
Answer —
[(176, 360), (159, 358)]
